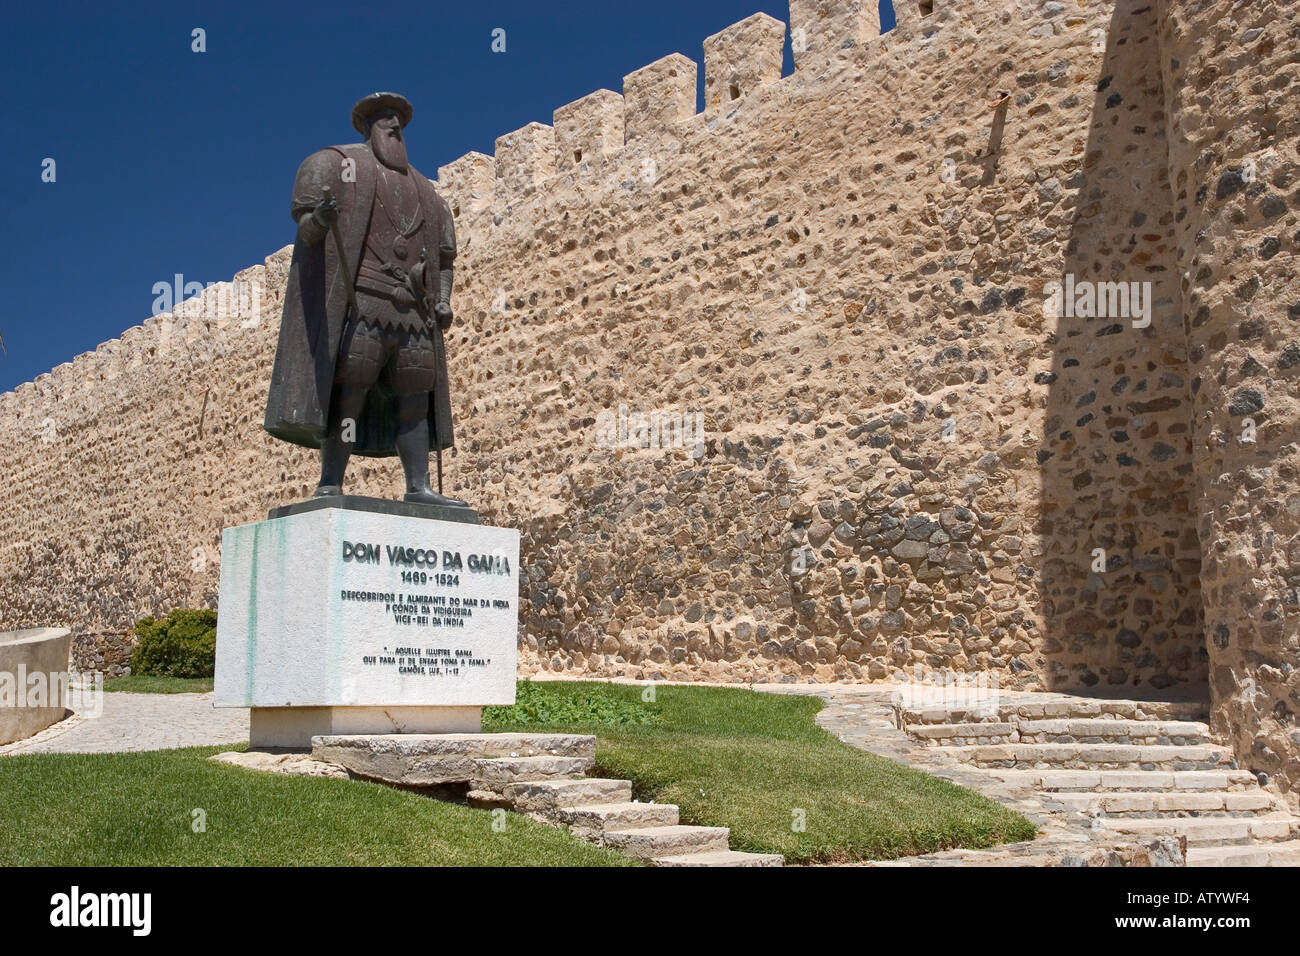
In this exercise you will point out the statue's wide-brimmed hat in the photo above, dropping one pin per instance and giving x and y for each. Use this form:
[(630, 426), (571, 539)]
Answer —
[(368, 106)]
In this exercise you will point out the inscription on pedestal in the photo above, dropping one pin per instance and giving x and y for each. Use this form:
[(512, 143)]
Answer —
[(341, 608)]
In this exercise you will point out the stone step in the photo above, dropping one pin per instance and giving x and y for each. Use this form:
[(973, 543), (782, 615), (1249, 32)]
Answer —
[(488, 800), (1155, 802), (1099, 756), (1157, 851), (1070, 708), (919, 716), (592, 820), (1212, 831), (1261, 854), (648, 843), (721, 858), (1081, 730), (547, 796), (1106, 780), (979, 732), (425, 760), (495, 772), (1073, 708), (1096, 730)]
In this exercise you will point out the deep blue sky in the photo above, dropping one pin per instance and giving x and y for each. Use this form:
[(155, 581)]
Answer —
[(173, 161)]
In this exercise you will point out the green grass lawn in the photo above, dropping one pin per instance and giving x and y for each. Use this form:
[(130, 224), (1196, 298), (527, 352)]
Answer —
[(138, 810), (754, 762), (144, 684), (751, 760)]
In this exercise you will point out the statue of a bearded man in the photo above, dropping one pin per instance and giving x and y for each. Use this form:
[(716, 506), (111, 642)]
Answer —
[(361, 366)]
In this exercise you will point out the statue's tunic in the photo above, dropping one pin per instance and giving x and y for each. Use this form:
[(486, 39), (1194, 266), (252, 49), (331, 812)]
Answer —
[(391, 250), (316, 300)]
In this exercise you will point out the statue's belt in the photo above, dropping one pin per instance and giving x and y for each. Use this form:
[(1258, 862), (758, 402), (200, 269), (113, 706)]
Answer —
[(391, 282)]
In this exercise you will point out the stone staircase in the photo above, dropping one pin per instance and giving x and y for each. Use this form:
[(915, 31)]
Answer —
[(544, 777), (602, 811), (1131, 769)]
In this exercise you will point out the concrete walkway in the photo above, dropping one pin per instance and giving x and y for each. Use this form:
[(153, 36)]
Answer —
[(132, 722)]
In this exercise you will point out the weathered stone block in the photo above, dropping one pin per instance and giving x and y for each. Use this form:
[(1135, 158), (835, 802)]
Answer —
[(742, 58), (425, 760), (660, 96), (525, 158), (588, 128), (821, 28), (467, 183), (34, 666)]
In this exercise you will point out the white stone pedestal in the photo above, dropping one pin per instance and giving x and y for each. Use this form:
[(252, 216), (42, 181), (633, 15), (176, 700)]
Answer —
[(289, 727), (337, 620)]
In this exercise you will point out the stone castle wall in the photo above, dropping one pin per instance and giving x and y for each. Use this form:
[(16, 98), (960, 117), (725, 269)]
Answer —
[(1230, 84), (906, 464)]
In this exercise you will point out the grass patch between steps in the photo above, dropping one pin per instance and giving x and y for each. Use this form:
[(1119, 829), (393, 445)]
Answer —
[(146, 684), (543, 704), (137, 809), (749, 761)]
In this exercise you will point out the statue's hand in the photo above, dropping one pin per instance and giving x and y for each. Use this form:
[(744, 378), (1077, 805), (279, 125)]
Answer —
[(326, 213), (442, 312)]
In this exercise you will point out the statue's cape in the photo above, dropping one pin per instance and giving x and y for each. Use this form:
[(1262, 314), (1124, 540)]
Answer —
[(316, 302)]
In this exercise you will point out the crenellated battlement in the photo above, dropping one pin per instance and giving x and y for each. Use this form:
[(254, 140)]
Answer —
[(742, 58), (198, 323), (658, 102), (524, 160), (820, 29), (468, 183), (588, 129), (660, 97)]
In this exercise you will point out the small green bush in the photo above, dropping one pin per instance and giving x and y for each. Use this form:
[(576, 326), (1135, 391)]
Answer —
[(183, 644)]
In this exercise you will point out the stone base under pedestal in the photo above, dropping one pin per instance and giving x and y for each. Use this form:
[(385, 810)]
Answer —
[(294, 727)]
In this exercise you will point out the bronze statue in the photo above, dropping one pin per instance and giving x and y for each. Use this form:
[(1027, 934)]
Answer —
[(361, 366)]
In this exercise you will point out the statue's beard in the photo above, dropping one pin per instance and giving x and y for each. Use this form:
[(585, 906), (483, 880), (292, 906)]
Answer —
[(389, 150)]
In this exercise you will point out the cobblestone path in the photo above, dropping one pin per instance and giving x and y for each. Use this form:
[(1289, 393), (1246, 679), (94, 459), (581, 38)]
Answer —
[(132, 722)]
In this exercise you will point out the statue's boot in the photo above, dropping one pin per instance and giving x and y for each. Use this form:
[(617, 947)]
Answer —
[(428, 496), (334, 455), (413, 449)]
